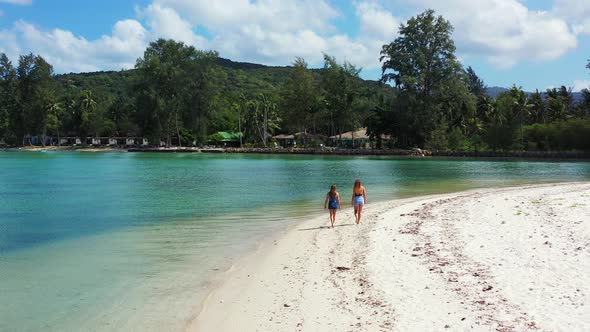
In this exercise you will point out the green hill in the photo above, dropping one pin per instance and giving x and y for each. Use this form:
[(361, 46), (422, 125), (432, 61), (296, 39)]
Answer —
[(238, 77)]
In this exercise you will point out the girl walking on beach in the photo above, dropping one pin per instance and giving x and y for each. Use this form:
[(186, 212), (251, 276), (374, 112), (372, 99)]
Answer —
[(333, 203), (359, 198)]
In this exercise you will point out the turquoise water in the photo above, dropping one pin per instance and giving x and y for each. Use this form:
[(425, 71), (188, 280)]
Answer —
[(107, 241)]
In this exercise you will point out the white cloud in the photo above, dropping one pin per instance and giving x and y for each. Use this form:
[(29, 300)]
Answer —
[(274, 15), (167, 23), (274, 32), (67, 52), (376, 22), (377, 28), (581, 84), (267, 31), (576, 12), (17, 2), (504, 31)]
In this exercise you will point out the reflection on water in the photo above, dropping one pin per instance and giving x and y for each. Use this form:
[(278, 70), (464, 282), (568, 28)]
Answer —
[(104, 241)]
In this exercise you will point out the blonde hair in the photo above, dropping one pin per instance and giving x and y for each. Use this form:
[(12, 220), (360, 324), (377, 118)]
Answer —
[(357, 183), (332, 191)]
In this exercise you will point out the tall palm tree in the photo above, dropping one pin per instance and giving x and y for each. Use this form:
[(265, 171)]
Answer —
[(537, 107), (54, 110), (520, 105), (87, 109)]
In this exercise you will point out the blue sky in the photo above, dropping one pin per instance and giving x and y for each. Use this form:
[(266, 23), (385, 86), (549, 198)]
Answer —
[(533, 44)]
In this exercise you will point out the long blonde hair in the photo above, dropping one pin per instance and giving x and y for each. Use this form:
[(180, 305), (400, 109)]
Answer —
[(357, 184), (332, 192)]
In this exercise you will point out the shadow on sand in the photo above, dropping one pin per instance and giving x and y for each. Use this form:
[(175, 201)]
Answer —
[(324, 227)]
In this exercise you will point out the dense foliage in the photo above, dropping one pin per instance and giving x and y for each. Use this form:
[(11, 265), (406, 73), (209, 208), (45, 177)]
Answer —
[(178, 95)]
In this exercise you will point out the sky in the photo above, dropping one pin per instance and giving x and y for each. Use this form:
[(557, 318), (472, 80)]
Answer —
[(535, 44)]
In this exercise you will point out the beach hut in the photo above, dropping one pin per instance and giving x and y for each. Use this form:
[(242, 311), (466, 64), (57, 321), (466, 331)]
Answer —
[(225, 139), (285, 140), (352, 139), (94, 141), (70, 140)]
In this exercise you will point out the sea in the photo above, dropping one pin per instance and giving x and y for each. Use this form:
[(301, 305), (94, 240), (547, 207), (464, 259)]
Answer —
[(119, 241)]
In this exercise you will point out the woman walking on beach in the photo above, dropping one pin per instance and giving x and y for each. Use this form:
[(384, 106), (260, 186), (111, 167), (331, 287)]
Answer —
[(333, 203), (359, 198)]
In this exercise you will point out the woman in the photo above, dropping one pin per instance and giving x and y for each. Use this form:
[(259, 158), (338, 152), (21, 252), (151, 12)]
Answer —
[(359, 198), (333, 203)]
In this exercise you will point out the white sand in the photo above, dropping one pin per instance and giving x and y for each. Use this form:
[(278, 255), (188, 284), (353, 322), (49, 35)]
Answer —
[(512, 259)]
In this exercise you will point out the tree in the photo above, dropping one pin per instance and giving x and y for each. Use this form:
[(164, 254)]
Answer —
[(298, 97), (86, 115), (556, 105), (422, 58), (457, 104), (7, 96), (120, 116), (520, 106), (204, 84), (173, 79), (421, 62), (339, 90), (584, 105), (263, 117), (377, 123), (54, 114), (34, 87), (476, 84), (537, 108)]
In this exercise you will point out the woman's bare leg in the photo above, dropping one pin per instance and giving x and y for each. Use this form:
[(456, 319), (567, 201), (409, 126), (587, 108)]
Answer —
[(360, 210)]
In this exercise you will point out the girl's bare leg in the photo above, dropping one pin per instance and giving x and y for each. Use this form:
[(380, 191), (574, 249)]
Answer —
[(360, 210)]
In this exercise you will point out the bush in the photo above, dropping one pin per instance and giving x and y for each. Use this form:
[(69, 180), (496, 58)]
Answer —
[(456, 140), (572, 134)]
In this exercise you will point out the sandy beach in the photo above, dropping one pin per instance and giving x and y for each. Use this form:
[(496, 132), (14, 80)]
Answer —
[(508, 259)]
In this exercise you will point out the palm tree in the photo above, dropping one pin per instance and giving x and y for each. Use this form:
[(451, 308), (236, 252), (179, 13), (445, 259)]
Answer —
[(537, 107), (555, 104), (54, 111), (87, 109), (264, 116), (520, 105)]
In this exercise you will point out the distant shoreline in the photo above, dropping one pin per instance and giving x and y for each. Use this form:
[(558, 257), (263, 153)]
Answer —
[(549, 155), (63, 149)]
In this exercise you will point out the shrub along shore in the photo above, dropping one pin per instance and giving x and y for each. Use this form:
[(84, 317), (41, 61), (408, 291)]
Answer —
[(582, 155), (324, 151), (384, 152)]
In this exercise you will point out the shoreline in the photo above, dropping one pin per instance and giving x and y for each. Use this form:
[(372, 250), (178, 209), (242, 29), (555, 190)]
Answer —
[(414, 153), (63, 149), (310, 277)]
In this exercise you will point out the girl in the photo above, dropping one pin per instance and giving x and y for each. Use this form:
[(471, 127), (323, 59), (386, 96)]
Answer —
[(359, 198), (333, 203)]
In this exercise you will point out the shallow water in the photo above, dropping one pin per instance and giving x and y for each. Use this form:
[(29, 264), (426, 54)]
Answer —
[(107, 241)]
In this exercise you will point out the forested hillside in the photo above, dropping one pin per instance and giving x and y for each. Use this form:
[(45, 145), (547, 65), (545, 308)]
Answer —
[(180, 95)]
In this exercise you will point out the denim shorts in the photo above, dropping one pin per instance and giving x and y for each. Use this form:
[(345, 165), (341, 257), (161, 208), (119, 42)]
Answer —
[(359, 201)]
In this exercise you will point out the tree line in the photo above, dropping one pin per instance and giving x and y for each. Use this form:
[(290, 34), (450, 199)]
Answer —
[(179, 95)]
